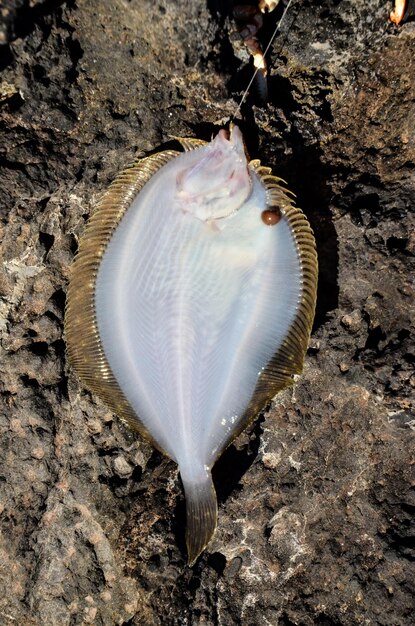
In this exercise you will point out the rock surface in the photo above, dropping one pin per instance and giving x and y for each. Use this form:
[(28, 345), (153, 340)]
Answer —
[(316, 499)]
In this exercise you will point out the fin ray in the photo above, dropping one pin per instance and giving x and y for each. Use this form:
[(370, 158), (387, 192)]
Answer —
[(190, 143), (201, 515), (289, 358), (83, 342)]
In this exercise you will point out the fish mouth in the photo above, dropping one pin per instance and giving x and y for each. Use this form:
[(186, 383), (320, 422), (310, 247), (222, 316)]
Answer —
[(218, 183)]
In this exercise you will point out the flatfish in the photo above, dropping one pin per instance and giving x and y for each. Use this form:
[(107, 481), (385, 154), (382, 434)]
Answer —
[(190, 304)]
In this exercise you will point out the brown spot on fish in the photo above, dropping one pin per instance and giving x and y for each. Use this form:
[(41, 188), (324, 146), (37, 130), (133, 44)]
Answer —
[(272, 216)]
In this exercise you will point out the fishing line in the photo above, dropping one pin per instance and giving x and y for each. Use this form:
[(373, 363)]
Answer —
[(274, 34)]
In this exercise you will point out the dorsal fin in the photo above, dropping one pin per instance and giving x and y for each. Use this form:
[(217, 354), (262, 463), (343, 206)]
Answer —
[(190, 143), (83, 342)]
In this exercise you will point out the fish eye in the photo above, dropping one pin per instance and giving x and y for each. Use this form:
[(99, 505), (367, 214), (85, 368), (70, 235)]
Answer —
[(271, 216)]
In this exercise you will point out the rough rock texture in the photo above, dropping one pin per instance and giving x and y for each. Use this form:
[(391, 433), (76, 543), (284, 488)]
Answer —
[(315, 501)]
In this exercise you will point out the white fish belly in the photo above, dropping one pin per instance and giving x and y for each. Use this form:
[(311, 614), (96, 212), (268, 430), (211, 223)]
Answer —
[(190, 313)]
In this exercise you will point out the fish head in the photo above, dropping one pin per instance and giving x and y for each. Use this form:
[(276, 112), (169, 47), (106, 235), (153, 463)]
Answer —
[(217, 183)]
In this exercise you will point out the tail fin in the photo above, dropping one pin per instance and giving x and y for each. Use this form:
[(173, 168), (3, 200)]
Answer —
[(201, 514)]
